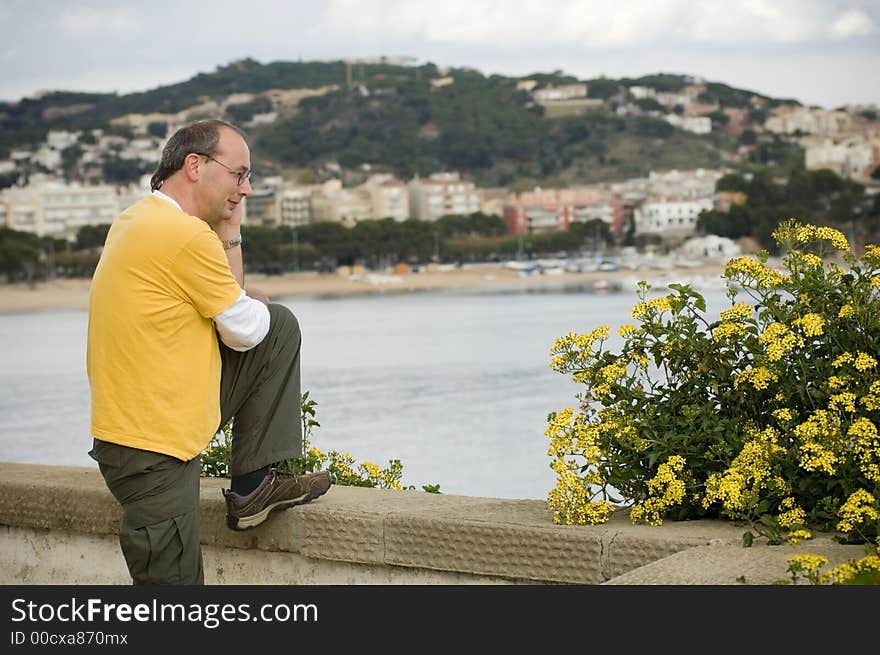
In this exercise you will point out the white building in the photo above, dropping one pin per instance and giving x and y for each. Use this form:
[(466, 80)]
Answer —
[(47, 157), (59, 210), (441, 194), (296, 205), (789, 120), (389, 197), (696, 183), (556, 93), (695, 124), (855, 157), (710, 246), (669, 218), (61, 139), (347, 206)]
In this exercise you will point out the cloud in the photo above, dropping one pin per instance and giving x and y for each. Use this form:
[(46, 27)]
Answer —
[(853, 22), (85, 23), (130, 45), (595, 23)]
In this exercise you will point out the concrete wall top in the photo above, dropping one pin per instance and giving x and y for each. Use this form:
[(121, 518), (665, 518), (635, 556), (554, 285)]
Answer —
[(511, 539)]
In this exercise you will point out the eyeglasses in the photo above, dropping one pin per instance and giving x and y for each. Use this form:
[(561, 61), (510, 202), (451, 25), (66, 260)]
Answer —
[(241, 176)]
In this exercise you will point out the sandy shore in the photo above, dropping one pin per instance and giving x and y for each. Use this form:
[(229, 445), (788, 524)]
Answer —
[(73, 293)]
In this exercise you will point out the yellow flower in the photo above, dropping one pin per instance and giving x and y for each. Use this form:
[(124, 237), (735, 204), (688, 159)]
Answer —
[(760, 378), (808, 562), (747, 268), (739, 312), (835, 382), (644, 309), (783, 414), (810, 259), (796, 536), (834, 237), (792, 514), (843, 401), (803, 234), (864, 361), (871, 255), (728, 330), (811, 324), (860, 507), (779, 341), (846, 572)]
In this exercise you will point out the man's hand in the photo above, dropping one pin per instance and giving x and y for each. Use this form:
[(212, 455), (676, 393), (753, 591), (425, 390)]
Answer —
[(256, 294), (231, 227)]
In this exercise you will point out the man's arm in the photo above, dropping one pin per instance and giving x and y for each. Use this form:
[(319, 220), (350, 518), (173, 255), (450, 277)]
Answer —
[(230, 232), (243, 325)]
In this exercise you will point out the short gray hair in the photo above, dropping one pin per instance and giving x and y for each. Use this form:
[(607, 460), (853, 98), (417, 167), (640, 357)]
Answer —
[(200, 136)]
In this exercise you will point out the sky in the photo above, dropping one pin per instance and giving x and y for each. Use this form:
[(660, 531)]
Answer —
[(821, 52)]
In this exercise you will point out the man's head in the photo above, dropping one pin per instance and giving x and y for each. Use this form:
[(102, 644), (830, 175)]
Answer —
[(206, 167)]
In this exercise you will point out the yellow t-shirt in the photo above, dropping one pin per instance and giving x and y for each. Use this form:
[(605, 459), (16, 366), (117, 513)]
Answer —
[(152, 356)]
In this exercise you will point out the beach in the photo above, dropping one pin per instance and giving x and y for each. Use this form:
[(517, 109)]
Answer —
[(72, 293)]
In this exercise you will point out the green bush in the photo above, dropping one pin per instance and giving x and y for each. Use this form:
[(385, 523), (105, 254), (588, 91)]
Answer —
[(766, 415), (343, 468)]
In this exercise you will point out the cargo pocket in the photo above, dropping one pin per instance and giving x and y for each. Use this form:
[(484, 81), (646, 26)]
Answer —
[(167, 552)]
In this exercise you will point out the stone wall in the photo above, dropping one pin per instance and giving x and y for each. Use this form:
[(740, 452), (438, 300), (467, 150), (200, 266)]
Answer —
[(58, 525)]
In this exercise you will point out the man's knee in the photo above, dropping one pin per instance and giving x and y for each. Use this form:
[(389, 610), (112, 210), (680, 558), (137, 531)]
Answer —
[(282, 321)]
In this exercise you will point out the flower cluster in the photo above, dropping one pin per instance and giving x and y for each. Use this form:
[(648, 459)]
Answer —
[(344, 469), (768, 414)]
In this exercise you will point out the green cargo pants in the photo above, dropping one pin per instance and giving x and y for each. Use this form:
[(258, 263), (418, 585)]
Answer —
[(159, 494)]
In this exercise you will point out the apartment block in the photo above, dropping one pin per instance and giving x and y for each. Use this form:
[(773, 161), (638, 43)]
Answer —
[(295, 205), (389, 197), (669, 218), (546, 210), (55, 209), (441, 194), (790, 120), (338, 205), (855, 157)]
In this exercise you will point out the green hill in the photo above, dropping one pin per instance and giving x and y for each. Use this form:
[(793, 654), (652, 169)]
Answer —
[(393, 118)]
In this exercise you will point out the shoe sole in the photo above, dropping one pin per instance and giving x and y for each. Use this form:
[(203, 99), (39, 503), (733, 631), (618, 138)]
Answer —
[(248, 522)]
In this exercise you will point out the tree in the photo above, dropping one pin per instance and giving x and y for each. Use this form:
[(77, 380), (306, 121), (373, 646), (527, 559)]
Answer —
[(19, 254), (648, 104), (731, 182), (89, 237), (123, 171), (603, 88), (158, 129), (70, 157)]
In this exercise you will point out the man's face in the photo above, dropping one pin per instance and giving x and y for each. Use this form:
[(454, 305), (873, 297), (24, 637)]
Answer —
[(220, 191)]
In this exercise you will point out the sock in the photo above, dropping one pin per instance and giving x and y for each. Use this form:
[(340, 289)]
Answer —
[(245, 484)]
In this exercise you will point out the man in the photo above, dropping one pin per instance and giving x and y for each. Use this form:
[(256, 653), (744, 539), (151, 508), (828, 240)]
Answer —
[(169, 281)]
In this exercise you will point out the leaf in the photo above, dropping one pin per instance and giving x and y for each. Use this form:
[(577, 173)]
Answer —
[(748, 539)]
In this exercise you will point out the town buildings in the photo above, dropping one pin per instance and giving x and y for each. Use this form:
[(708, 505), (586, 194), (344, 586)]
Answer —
[(663, 204)]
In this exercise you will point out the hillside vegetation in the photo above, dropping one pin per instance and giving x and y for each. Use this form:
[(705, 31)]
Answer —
[(394, 119)]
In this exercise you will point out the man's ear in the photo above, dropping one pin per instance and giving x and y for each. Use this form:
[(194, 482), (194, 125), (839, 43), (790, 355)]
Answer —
[(192, 167)]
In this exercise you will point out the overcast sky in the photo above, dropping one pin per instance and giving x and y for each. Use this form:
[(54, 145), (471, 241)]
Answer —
[(821, 52)]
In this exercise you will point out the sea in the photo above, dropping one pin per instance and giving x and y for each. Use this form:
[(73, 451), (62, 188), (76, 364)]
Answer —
[(456, 384)]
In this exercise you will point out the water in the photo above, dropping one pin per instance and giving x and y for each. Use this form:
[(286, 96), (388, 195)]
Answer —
[(455, 384)]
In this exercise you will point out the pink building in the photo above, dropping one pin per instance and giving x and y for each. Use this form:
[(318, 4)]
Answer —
[(546, 210)]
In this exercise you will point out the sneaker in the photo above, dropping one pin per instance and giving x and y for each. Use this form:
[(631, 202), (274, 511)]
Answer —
[(276, 491)]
